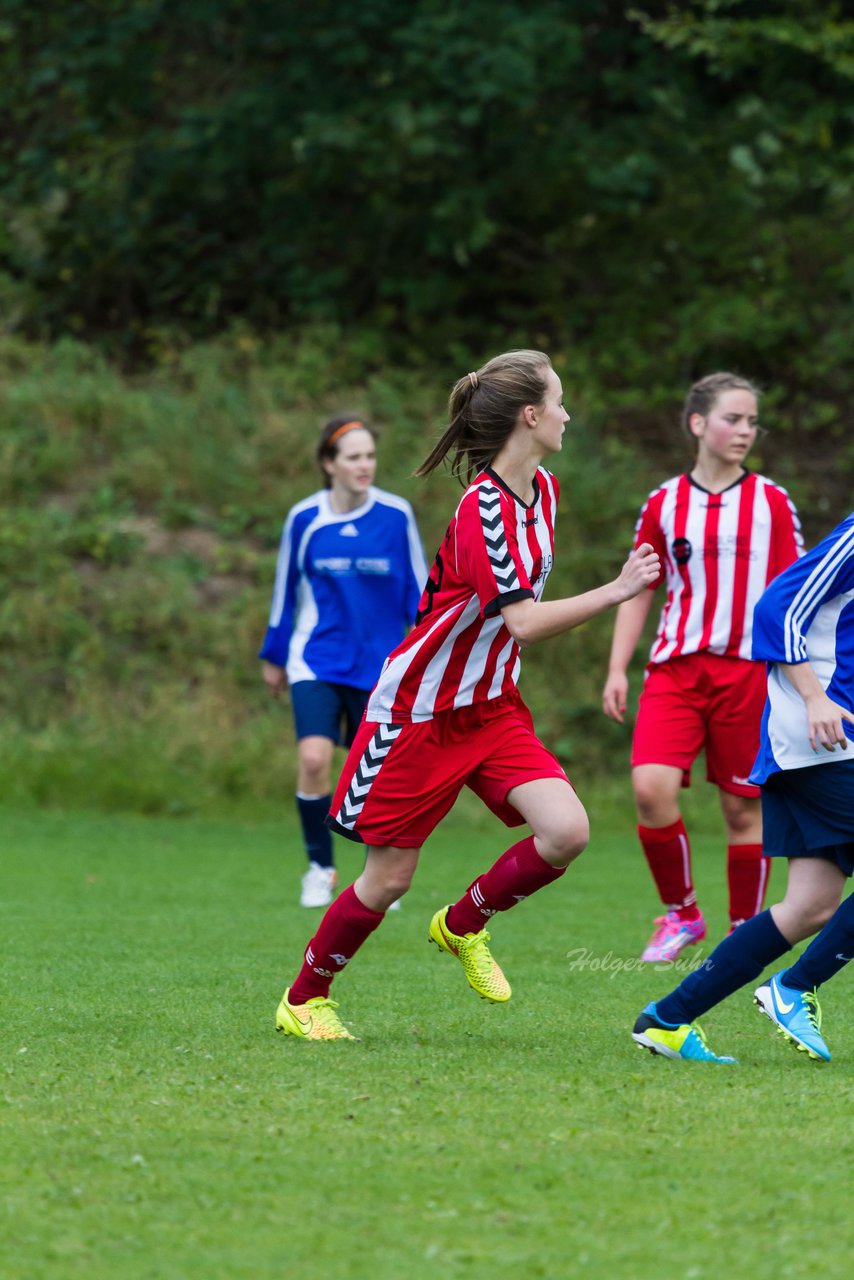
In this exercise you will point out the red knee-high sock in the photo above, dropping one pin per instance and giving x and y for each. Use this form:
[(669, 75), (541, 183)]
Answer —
[(346, 924), (747, 872), (668, 853), (518, 873)]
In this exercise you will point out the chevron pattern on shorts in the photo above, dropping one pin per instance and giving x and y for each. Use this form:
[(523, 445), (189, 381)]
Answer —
[(489, 500), (366, 770)]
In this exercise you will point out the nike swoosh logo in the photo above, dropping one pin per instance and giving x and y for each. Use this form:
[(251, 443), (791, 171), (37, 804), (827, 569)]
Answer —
[(784, 1008), (306, 1024)]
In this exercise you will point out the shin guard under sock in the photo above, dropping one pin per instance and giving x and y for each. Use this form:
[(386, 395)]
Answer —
[(346, 924), (668, 854), (747, 877), (518, 873), (316, 835)]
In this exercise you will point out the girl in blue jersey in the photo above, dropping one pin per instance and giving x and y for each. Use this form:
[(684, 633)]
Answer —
[(350, 573), (804, 630)]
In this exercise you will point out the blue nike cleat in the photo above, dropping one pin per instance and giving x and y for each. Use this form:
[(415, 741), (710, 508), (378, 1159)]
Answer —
[(796, 1014)]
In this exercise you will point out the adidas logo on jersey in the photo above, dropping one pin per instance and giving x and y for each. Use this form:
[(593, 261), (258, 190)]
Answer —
[(349, 531)]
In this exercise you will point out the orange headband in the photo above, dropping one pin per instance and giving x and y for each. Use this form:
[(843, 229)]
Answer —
[(339, 431)]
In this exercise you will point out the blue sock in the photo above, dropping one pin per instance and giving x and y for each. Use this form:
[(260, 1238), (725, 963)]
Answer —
[(316, 835), (829, 951), (741, 956)]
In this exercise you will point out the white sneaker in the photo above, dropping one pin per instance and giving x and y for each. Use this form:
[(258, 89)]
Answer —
[(318, 886)]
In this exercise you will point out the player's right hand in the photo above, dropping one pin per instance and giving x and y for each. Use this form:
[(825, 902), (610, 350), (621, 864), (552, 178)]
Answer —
[(274, 678), (614, 696)]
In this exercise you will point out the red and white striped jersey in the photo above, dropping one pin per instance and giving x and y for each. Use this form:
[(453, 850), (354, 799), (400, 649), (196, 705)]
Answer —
[(718, 553), (459, 652)]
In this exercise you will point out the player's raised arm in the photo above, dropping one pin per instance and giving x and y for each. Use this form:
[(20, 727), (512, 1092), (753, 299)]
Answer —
[(529, 620)]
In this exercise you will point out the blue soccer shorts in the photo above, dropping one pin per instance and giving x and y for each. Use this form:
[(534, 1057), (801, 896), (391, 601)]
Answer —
[(326, 710), (809, 813)]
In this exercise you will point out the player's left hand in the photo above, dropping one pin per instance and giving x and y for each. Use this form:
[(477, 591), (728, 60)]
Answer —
[(642, 569), (824, 721)]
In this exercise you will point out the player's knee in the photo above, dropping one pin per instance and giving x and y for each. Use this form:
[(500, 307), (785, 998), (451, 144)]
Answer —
[(819, 915), (742, 823), (650, 800), (396, 881), (809, 917), (314, 766), (563, 842), (383, 881)]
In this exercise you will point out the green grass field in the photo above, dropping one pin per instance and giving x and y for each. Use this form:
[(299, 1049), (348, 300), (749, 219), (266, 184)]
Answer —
[(154, 1126)]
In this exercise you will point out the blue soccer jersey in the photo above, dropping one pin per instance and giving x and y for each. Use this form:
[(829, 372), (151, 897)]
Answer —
[(807, 614), (347, 587)]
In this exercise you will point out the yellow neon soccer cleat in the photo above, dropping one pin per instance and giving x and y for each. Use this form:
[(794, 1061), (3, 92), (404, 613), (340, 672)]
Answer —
[(314, 1020), (483, 972), (685, 1042)]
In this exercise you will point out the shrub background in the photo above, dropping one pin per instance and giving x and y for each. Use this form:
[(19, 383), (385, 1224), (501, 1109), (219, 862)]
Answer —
[(138, 534), (221, 220)]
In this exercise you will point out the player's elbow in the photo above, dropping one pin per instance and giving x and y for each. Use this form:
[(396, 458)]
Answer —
[(522, 637), (520, 621)]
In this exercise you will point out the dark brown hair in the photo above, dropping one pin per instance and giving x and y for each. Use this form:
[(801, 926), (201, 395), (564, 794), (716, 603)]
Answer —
[(484, 408)]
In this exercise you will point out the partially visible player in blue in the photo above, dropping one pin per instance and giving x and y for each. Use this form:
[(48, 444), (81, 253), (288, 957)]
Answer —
[(804, 629), (350, 574)]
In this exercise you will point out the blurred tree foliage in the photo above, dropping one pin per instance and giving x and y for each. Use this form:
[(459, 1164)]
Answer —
[(664, 188)]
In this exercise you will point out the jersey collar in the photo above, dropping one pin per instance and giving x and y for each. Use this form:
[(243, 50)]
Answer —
[(496, 479), (741, 479)]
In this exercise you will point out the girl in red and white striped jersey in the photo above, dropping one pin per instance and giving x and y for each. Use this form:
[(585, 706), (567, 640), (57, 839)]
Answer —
[(722, 534), (445, 712)]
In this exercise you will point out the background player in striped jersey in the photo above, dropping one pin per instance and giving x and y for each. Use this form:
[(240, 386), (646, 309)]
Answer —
[(349, 577), (722, 533), (446, 713), (804, 630)]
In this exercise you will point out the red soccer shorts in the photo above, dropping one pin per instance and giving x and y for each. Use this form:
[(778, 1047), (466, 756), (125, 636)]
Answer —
[(400, 780), (702, 701)]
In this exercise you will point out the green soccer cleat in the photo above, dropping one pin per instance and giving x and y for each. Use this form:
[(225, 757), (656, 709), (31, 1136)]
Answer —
[(314, 1020), (483, 973), (686, 1042)]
